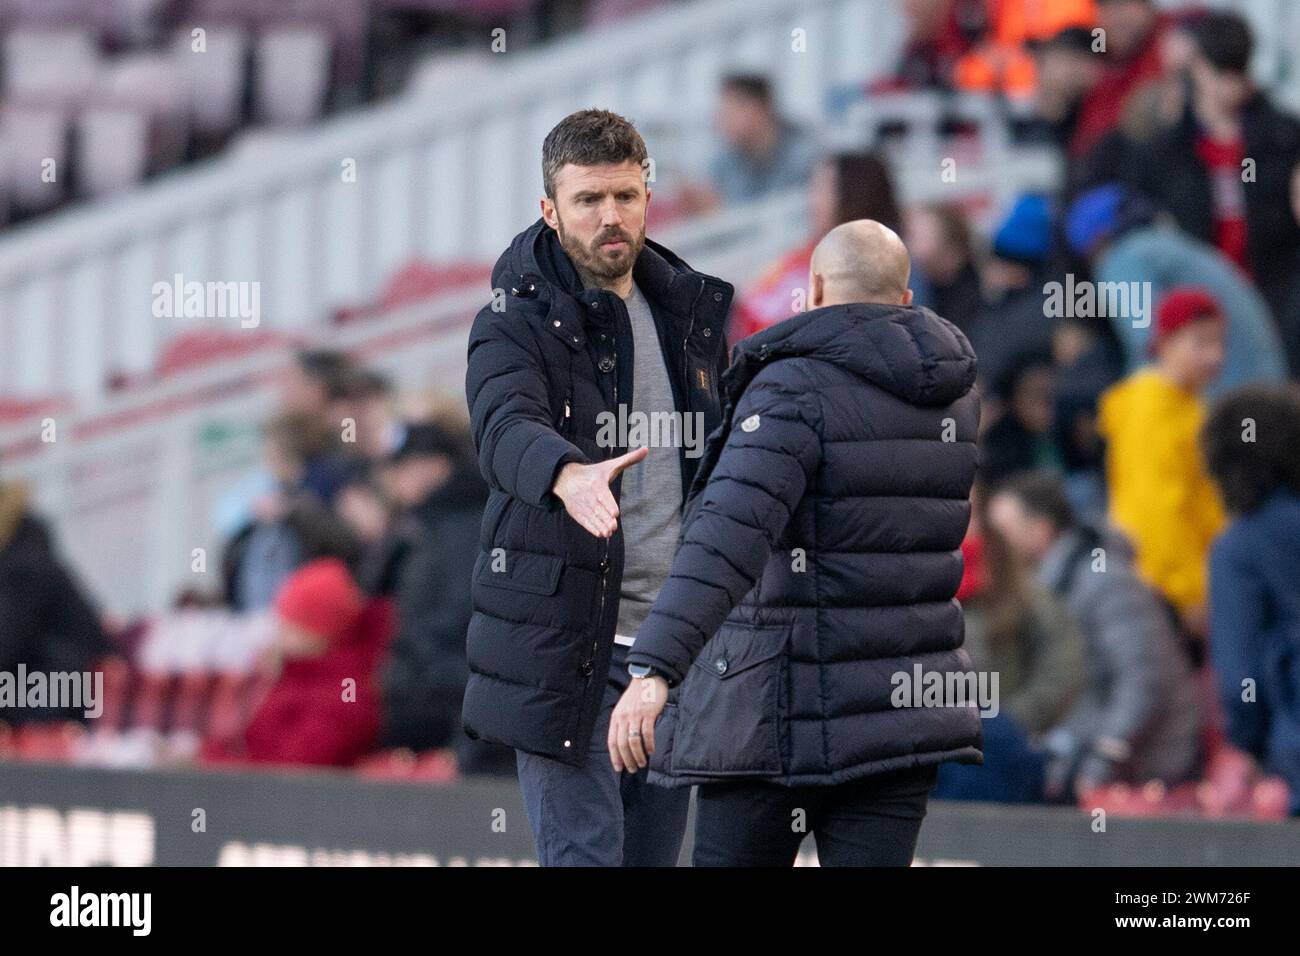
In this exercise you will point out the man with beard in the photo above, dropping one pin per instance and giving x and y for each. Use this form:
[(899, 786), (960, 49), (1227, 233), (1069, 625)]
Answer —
[(591, 324)]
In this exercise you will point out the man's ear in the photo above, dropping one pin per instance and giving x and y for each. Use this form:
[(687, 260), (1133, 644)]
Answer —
[(907, 297), (816, 290), (548, 212)]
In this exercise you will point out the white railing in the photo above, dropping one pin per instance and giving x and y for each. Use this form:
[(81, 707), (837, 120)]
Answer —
[(447, 173)]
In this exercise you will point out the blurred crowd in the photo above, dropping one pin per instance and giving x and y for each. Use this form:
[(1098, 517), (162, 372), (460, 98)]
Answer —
[(338, 630), (1133, 564)]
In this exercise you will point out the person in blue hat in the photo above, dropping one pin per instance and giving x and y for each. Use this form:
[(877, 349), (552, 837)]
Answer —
[(1137, 256), (1013, 321)]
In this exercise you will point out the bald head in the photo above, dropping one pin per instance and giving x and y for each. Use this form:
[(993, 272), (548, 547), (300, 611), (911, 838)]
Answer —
[(860, 261)]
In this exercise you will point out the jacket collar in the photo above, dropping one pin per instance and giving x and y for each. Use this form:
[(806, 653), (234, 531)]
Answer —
[(536, 258)]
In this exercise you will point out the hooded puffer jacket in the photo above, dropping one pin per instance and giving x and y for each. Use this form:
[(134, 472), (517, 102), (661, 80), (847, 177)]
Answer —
[(820, 557), (544, 365)]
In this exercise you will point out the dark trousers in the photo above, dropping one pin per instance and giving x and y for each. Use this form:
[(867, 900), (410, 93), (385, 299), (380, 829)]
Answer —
[(591, 816), (874, 821)]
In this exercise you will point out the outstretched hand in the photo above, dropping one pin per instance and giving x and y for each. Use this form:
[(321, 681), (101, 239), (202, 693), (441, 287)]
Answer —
[(584, 489)]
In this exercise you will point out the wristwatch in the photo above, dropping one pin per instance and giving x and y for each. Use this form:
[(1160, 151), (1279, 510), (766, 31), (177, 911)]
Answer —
[(641, 671)]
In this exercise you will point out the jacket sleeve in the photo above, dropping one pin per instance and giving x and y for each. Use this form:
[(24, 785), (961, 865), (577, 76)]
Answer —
[(757, 483), (1129, 618), (510, 416), (1237, 638)]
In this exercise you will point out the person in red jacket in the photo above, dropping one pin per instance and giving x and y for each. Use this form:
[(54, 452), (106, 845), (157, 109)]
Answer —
[(322, 709)]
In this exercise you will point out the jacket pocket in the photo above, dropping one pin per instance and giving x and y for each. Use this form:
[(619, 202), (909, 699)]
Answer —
[(729, 712), (520, 571)]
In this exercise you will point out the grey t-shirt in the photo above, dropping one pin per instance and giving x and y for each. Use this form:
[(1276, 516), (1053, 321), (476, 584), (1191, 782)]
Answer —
[(651, 494)]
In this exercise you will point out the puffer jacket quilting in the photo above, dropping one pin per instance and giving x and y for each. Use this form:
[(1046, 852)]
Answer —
[(819, 556)]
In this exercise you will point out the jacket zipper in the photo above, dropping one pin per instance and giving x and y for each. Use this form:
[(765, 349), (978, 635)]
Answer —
[(590, 664), (604, 560)]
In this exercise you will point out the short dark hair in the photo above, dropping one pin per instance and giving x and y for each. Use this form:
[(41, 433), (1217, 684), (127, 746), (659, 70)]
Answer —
[(1247, 472), (589, 138), (1224, 39), (361, 383), (1041, 493), (755, 86), (328, 367)]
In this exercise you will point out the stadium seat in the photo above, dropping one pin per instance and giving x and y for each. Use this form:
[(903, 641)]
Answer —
[(216, 78), (112, 152), (37, 134), (292, 73), (55, 64), (191, 350), (48, 742)]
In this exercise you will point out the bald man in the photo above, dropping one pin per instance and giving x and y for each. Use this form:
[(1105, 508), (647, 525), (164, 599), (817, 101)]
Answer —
[(789, 664)]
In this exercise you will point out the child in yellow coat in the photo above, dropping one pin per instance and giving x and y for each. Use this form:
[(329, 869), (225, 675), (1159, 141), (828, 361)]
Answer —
[(1160, 493)]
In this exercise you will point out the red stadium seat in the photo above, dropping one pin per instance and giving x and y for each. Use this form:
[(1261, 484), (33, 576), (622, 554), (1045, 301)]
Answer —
[(206, 346)]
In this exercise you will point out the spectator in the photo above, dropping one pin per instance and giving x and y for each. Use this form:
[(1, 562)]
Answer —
[(1001, 63), (1012, 319), (1016, 629), (289, 525), (1132, 32), (1250, 440), (1196, 169), (844, 187), (1160, 495), (943, 249), (364, 416), (314, 382), (46, 622), (1153, 106), (372, 516), (1067, 68), (431, 478), (1087, 361), (1116, 230), (322, 709), (940, 33), (763, 153), (1024, 435), (1138, 718)]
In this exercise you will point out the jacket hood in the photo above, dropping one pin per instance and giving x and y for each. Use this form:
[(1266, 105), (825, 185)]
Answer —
[(660, 273), (906, 350)]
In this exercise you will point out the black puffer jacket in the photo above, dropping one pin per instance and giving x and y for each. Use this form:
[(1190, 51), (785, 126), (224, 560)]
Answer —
[(46, 622), (820, 556), (541, 369)]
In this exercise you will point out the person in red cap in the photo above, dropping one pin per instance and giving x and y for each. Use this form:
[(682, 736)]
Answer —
[(322, 709), (1160, 493)]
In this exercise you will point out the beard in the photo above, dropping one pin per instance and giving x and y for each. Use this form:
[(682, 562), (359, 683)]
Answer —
[(595, 263)]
